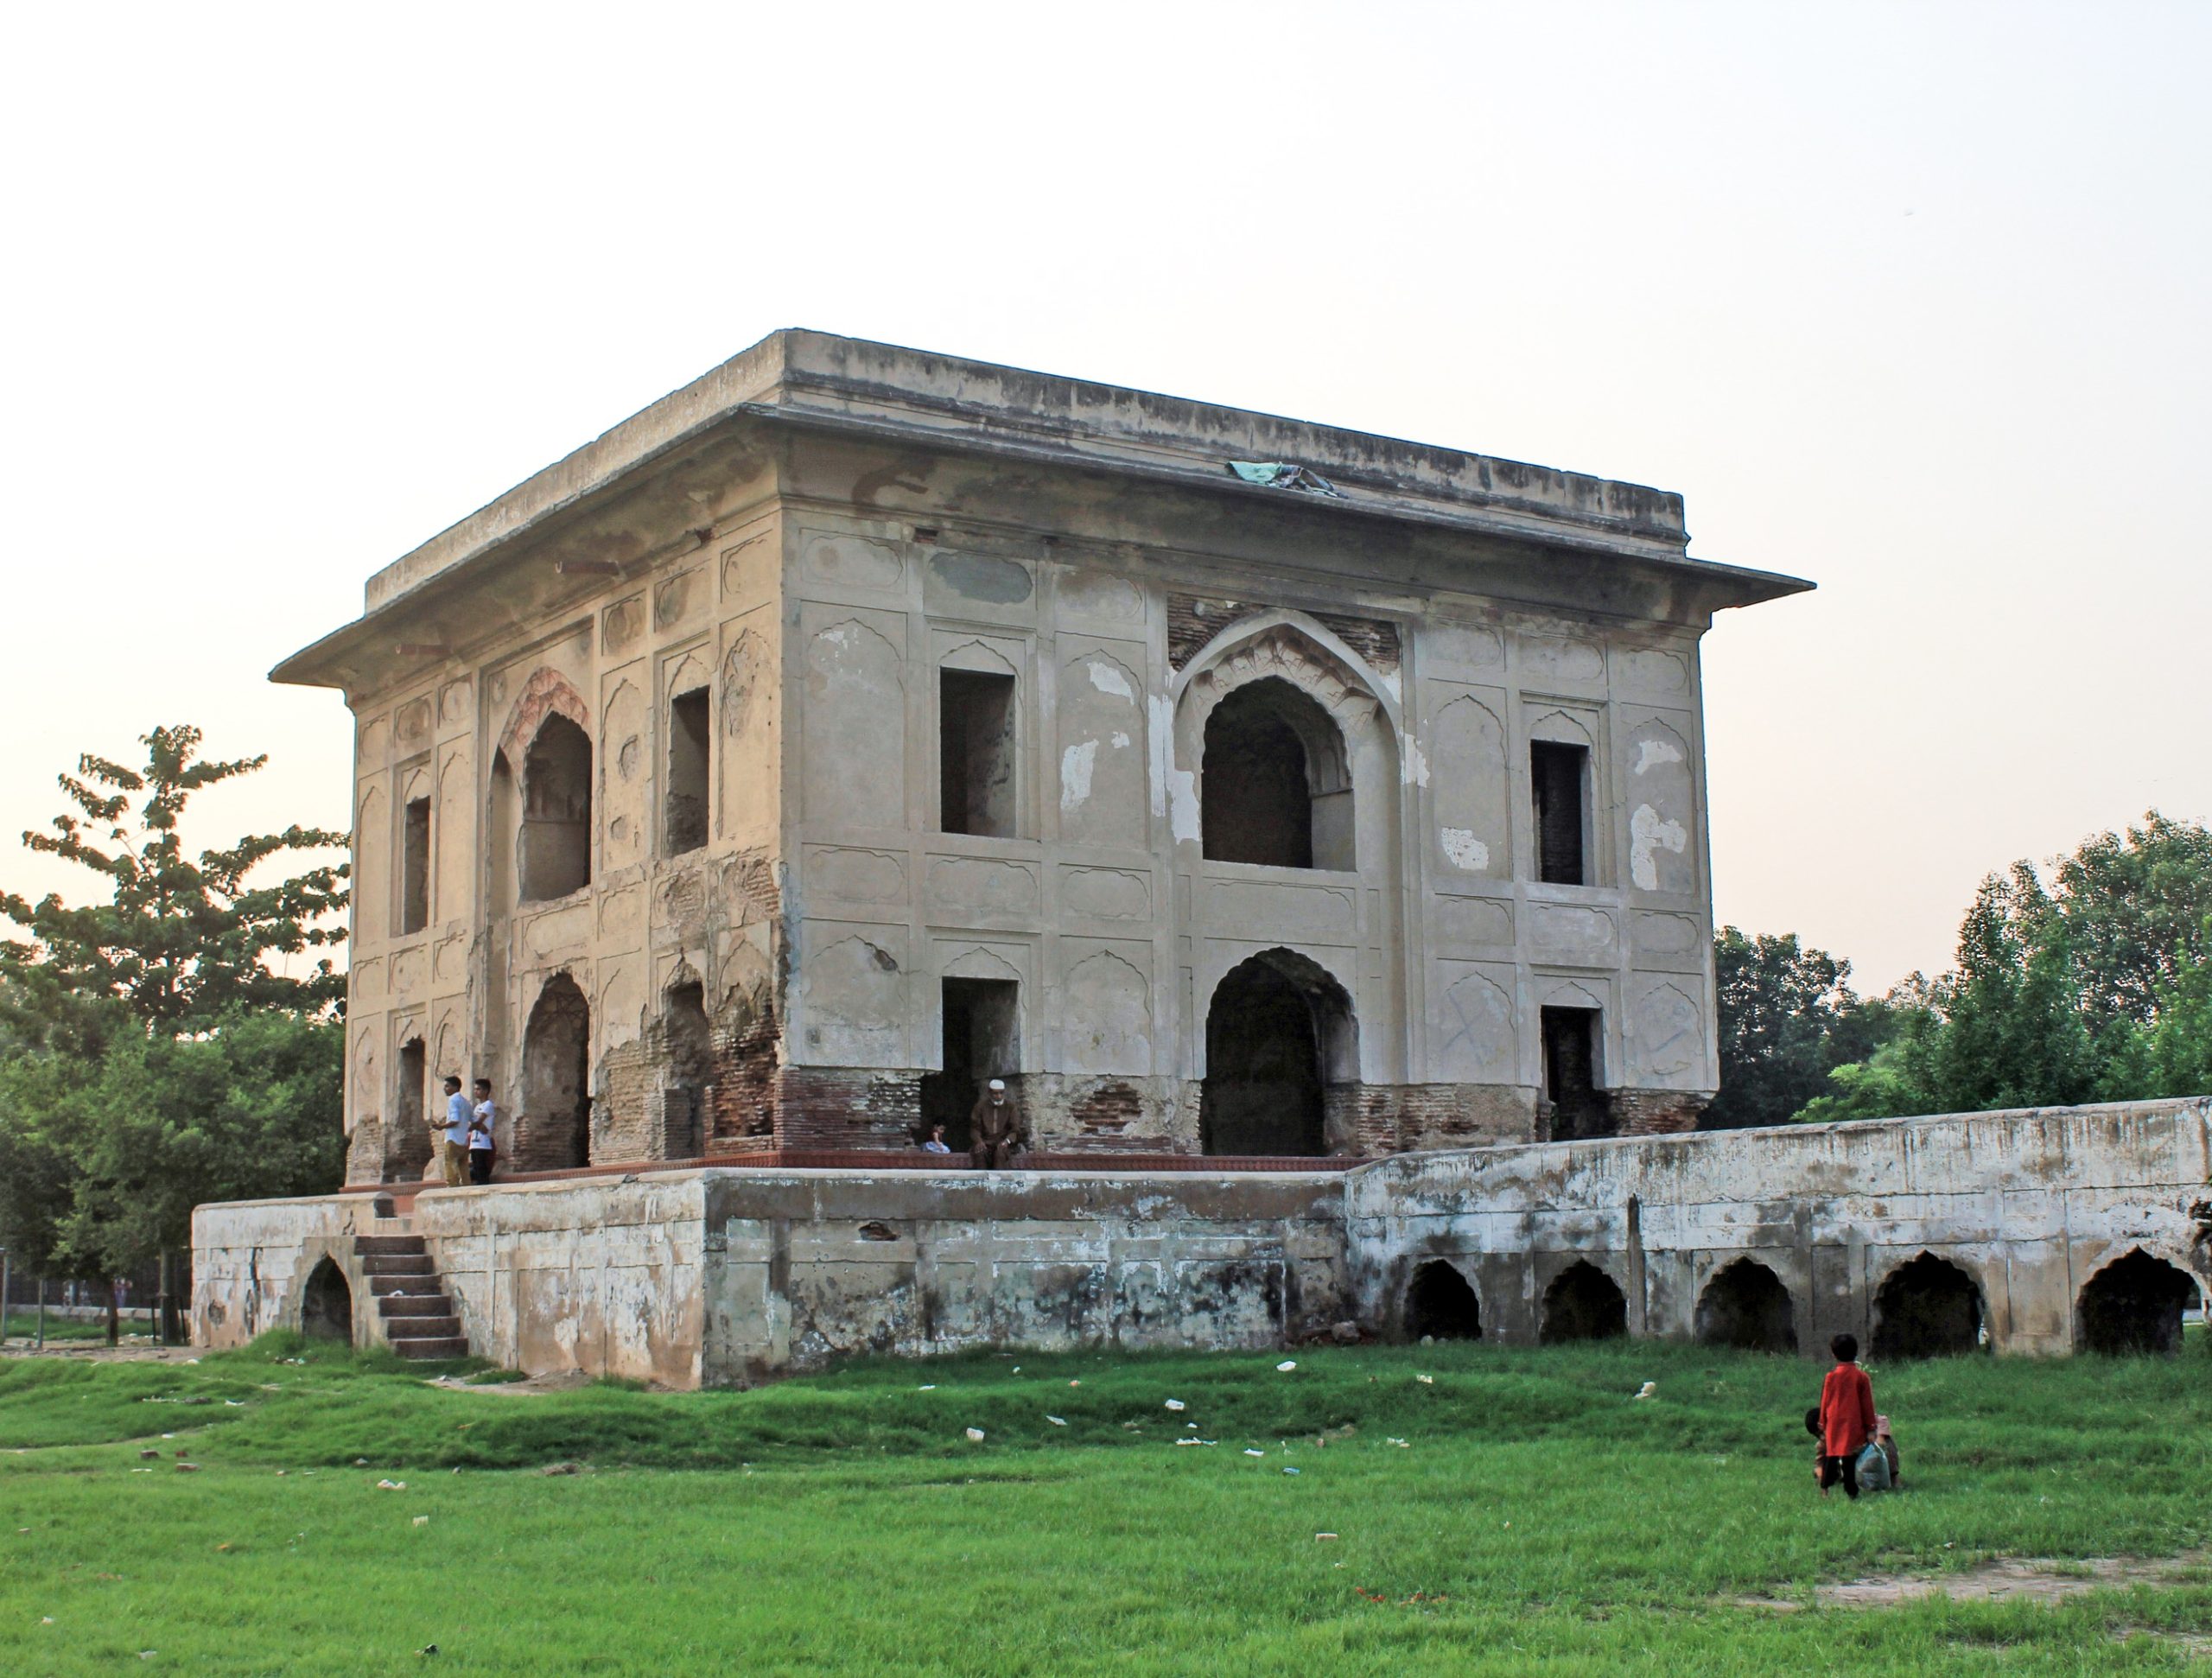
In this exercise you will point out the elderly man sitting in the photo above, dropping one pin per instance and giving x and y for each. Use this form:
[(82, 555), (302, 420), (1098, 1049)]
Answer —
[(996, 1129)]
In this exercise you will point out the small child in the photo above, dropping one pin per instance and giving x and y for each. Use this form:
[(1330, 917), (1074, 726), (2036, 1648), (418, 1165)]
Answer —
[(1847, 1417)]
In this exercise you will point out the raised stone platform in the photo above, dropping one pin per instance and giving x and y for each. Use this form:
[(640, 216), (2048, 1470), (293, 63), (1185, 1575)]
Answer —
[(2025, 1232)]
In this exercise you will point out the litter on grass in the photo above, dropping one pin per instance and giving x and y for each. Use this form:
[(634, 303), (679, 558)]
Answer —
[(1175, 1404), (391, 1486), (1400, 1444), (1058, 1422), (422, 1520), (1255, 1454), (975, 1434), (1286, 1366), (1290, 1470), (188, 1468), (929, 1388), (1648, 1390), (1320, 1536), (1197, 1441), (1425, 1380)]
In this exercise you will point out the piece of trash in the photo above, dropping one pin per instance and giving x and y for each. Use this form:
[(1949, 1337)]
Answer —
[(134, 1470), (1400, 1444), (184, 1451), (1646, 1389), (428, 1648), (281, 1472), (1290, 1470), (1058, 1422), (391, 1486), (1320, 1537), (1193, 1426), (359, 1462), (1133, 1426), (1197, 1441), (220, 1548), (1175, 1404), (144, 1455), (975, 1434), (168, 1436), (561, 1468), (1286, 1366), (1281, 474), (1075, 1383), (188, 1468), (1017, 1368), (422, 1520), (148, 1654), (929, 1388), (1425, 1380), (1251, 1452)]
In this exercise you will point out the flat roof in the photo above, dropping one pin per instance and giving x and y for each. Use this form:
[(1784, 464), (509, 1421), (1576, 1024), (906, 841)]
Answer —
[(818, 381)]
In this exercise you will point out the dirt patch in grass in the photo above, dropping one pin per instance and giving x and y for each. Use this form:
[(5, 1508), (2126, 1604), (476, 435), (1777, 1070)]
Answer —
[(2006, 1579)]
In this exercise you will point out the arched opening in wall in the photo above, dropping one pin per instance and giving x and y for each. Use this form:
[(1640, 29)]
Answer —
[(555, 1134), (1583, 1303), (407, 1145), (2133, 1308), (555, 851), (1275, 782), (1926, 1307), (1578, 1108), (983, 1034), (1746, 1306), (690, 765), (1279, 1032), (326, 1305), (690, 1067), (1440, 1304), (502, 824)]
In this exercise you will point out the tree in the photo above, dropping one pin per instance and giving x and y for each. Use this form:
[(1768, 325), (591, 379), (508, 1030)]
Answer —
[(1787, 1017), (2135, 908), (181, 942), (155, 1058), (2015, 1030)]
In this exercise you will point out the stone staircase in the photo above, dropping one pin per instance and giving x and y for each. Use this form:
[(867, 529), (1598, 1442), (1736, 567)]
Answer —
[(419, 1320)]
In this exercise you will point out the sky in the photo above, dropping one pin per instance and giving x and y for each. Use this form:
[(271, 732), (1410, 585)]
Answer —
[(1910, 301)]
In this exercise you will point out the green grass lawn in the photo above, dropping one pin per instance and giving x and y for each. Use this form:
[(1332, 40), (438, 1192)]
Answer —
[(22, 1324), (1535, 1519)]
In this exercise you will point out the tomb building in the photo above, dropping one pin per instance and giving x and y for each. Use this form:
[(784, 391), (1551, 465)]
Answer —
[(855, 725)]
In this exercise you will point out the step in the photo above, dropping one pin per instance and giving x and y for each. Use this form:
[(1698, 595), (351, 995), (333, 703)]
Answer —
[(420, 1286), (405, 1330), (389, 1246), (390, 1305), (398, 1264), (452, 1345)]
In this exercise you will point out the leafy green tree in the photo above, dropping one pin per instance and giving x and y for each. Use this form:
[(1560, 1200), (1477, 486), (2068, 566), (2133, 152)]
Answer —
[(2135, 907), (2015, 1030), (180, 941), (1787, 1017), (155, 1056), (2179, 1048)]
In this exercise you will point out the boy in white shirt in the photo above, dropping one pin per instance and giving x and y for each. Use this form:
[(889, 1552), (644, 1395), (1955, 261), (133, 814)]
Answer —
[(482, 1147)]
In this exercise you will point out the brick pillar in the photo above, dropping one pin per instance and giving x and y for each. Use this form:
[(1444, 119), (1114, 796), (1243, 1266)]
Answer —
[(1656, 1112)]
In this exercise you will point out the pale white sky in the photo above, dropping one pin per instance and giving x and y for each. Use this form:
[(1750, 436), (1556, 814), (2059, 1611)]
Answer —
[(1910, 301)]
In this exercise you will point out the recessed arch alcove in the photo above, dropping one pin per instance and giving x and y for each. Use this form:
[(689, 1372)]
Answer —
[(1280, 1030)]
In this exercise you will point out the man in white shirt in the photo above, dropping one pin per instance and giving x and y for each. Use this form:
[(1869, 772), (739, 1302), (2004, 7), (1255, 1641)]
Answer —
[(480, 1144), (453, 1144)]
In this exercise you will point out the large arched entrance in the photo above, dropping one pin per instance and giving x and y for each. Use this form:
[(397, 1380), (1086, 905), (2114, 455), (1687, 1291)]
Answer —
[(1275, 786), (555, 1131), (2133, 1306), (1746, 1306), (1583, 1303), (326, 1305), (1926, 1307), (1278, 1033), (1440, 1306)]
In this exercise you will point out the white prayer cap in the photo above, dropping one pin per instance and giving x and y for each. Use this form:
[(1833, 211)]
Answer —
[(998, 1086)]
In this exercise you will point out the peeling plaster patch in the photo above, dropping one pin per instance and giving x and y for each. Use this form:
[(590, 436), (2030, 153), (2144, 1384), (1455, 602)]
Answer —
[(1183, 801), (1470, 853), (1646, 832), (1415, 773), (1108, 678), (1651, 751), (1163, 738), (1075, 771), (1121, 740)]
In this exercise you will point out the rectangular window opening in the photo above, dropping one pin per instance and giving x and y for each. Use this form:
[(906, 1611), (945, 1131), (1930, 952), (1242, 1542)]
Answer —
[(1579, 1107), (691, 753), (414, 867), (1559, 780), (975, 754)]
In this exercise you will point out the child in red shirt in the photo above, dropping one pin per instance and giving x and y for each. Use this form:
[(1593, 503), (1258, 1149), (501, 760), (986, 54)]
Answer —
[(1847, 1417)]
